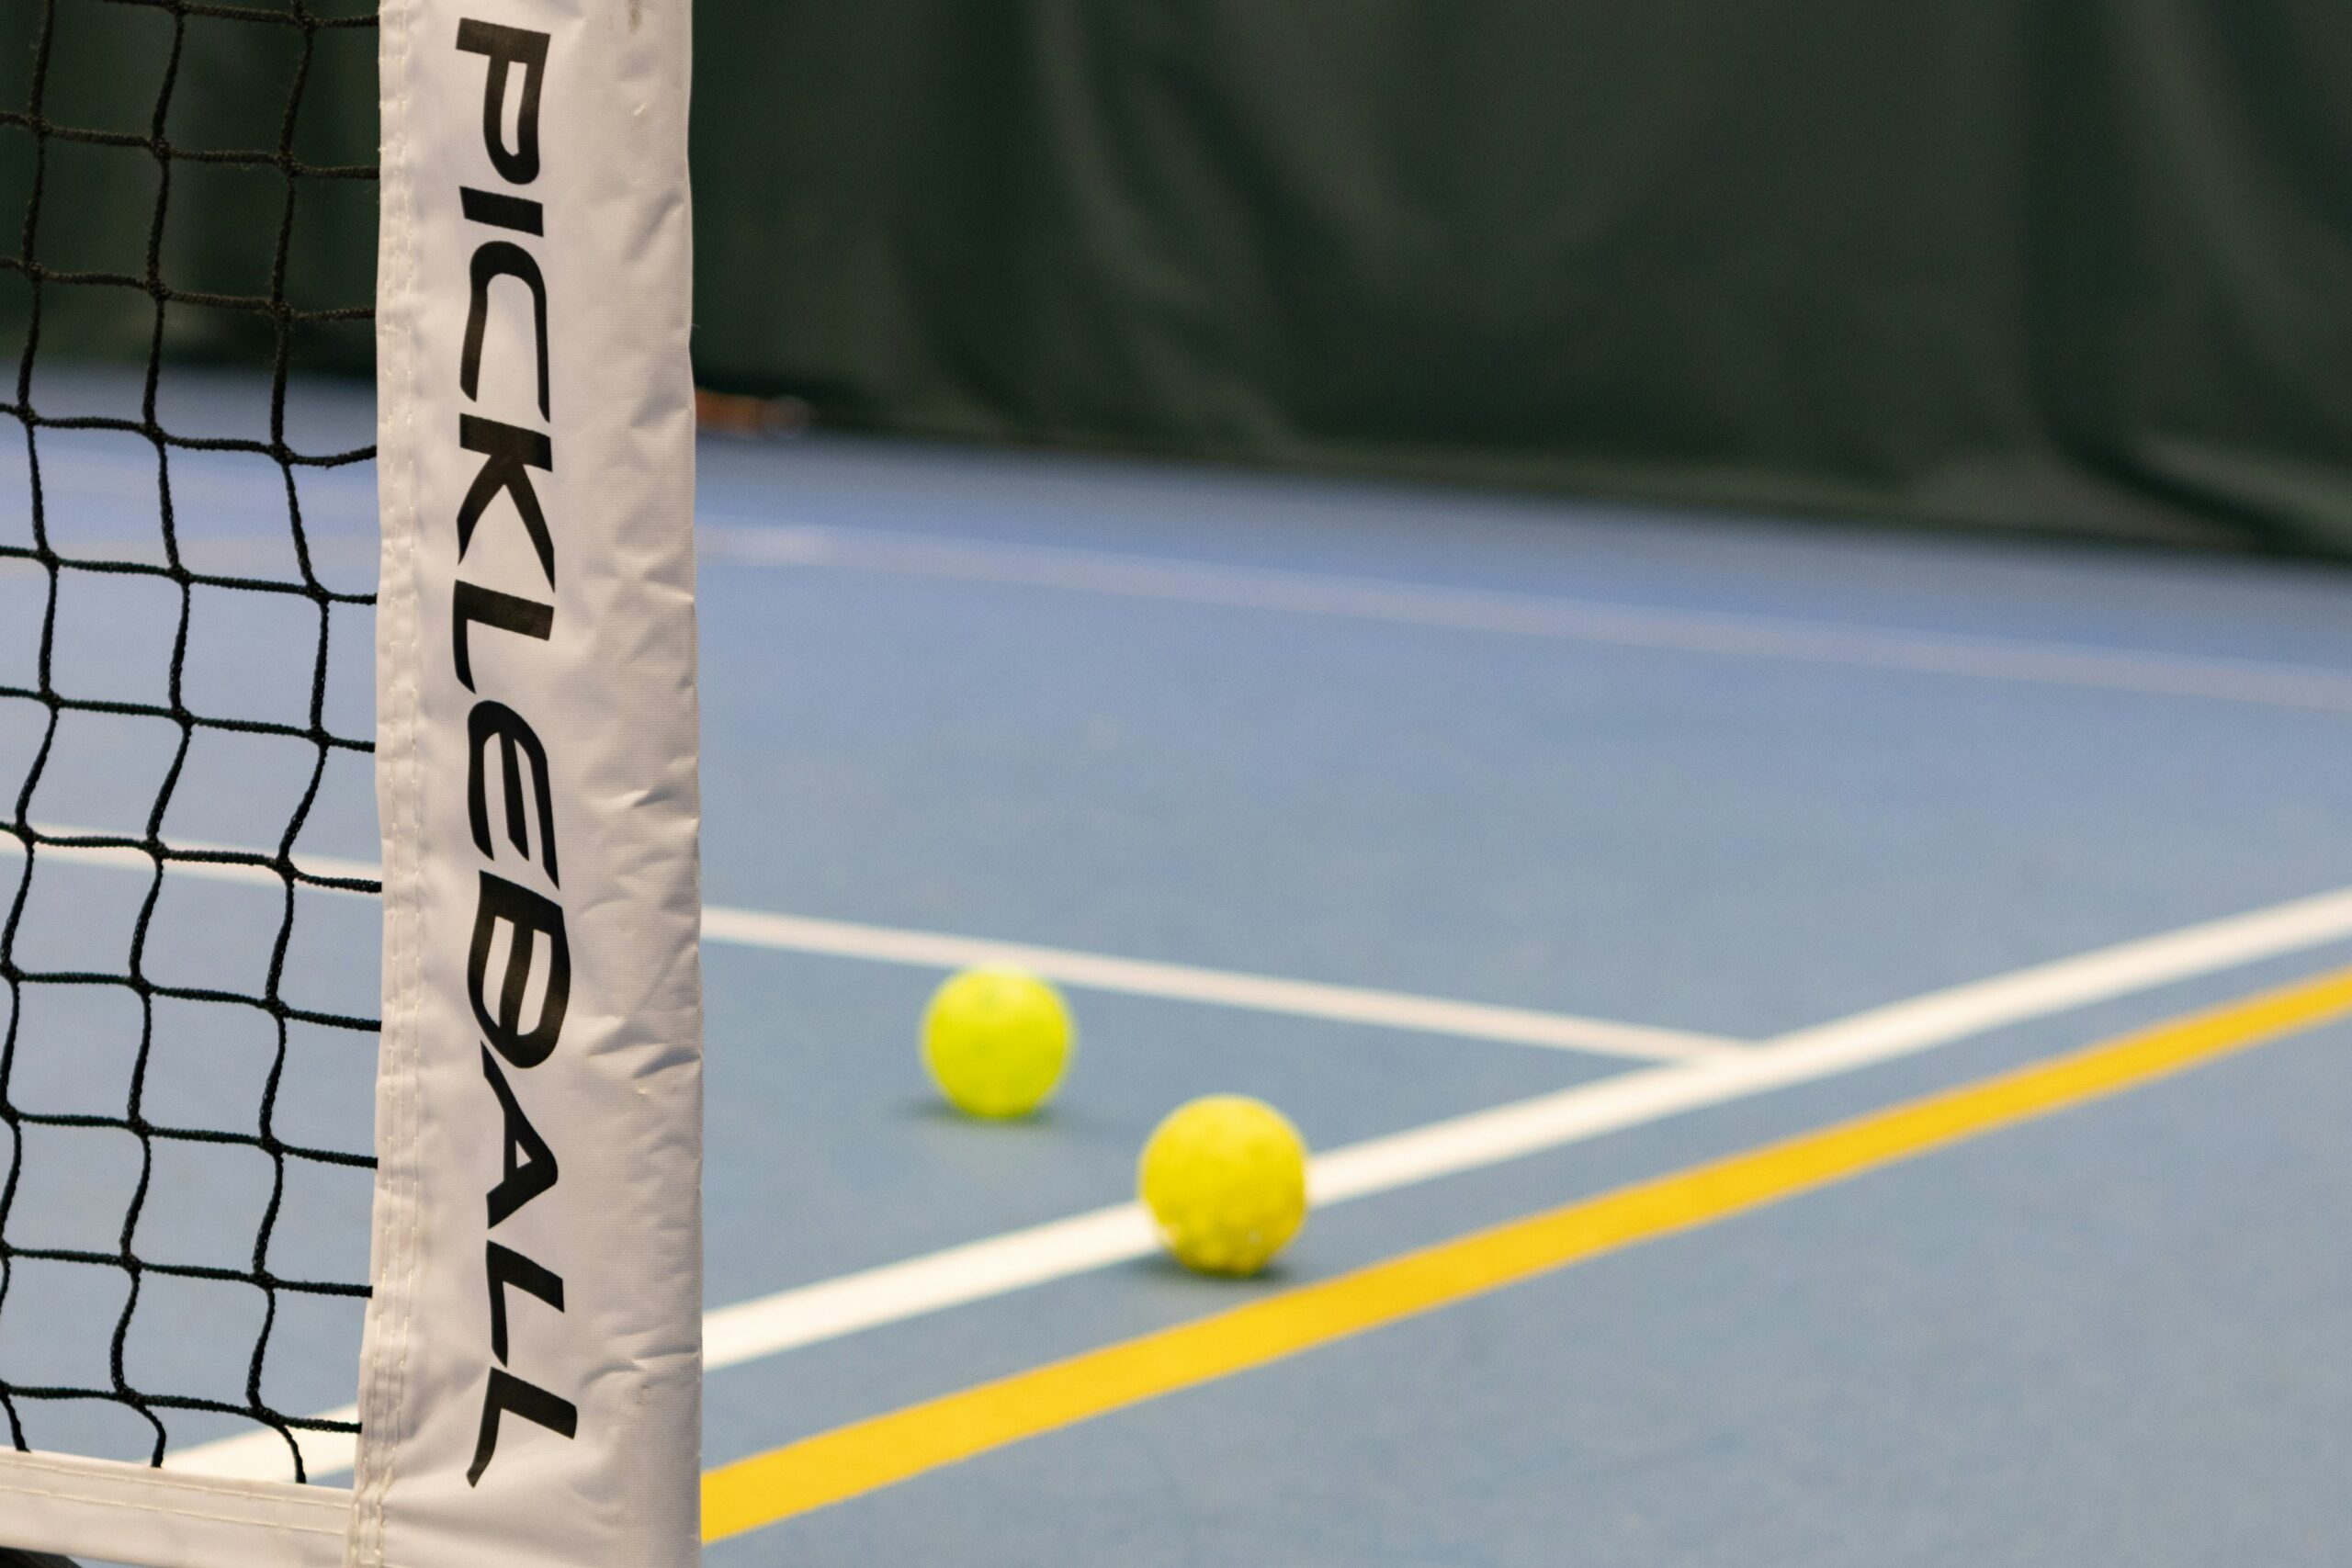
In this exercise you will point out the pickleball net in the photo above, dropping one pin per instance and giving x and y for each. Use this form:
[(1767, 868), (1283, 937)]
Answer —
[(188, 643), (310, 1251)]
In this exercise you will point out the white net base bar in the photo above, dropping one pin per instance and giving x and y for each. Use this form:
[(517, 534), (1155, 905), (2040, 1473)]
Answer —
[(127, 1513)]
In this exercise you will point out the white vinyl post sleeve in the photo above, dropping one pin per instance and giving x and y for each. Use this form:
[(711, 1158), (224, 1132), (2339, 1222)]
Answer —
[(530, 1385)]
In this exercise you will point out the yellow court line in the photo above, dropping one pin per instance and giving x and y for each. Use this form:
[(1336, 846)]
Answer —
[(867, 1455)]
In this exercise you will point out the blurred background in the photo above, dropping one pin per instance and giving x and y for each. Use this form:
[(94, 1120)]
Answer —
[(2000, 264), (1438, 564)]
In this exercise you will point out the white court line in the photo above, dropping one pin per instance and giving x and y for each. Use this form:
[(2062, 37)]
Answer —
[(1091, 971), (199, 871), (2260, 682), (1472, 609), (832, 1309), (1217, 987), (211, 554)]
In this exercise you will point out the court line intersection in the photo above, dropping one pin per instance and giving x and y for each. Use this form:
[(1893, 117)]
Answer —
[(865, 1456)]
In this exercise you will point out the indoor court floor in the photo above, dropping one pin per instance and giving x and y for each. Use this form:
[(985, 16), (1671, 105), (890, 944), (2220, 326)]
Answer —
[(1520, 850)]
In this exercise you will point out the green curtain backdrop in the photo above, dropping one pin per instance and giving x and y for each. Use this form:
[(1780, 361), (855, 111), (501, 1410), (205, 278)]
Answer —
[(136, 109), (2084, 264)]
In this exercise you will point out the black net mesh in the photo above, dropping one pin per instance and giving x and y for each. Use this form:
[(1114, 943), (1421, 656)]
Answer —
[(176, 624)]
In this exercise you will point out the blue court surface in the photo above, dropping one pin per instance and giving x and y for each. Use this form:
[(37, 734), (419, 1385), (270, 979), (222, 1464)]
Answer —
[(1562, 818)]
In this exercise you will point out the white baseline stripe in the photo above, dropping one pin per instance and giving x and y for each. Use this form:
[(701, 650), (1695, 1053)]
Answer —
[(1093, 971), (140, 862), (1482, 610), (1058, 1249), (1219, 987)]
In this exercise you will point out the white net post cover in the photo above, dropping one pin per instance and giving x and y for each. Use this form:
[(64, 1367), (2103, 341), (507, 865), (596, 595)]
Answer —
[(531, 1383)]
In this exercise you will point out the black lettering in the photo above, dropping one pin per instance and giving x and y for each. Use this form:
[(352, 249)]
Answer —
[(476, 605), (507, 48), (508, 455), (529, 1400), (525, 1178), (517, 741), (530, 917), (534, 925), (502, 258), (501, 211), (508, 1266)]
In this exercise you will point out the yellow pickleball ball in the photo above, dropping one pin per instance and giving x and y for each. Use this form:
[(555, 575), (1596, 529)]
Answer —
[(997, 1040), (1225, 1178)]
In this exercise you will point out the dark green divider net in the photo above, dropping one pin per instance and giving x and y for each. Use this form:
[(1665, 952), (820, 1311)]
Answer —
[(111, 143), (2079, 264)]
